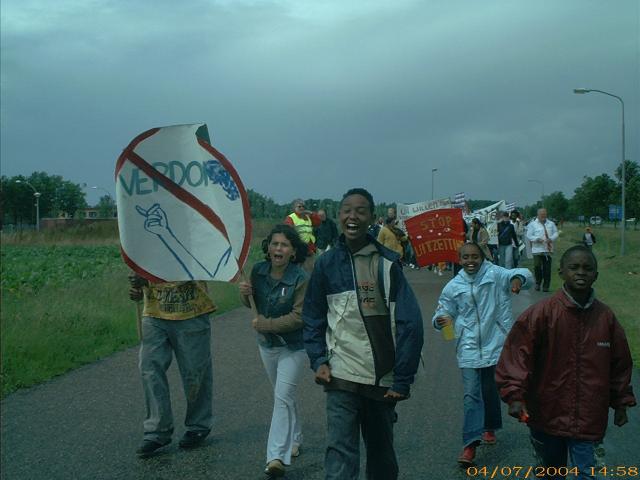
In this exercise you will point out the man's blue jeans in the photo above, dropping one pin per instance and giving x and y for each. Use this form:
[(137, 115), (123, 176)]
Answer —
[(190, 341), (481, 403), (553, 451), (347, 414), (505, 256)]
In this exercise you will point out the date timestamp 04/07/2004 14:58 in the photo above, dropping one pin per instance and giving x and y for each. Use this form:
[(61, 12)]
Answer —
[(521, 471)]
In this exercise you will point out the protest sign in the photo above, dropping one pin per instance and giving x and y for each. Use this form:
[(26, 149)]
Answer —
[(436, 235), (183, 213), (489, 218), (408, 210)]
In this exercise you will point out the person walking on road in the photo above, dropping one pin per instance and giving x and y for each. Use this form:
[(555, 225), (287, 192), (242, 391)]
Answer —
[(542, 232), (479, 235), (392, 237), (278, 286), (507, 238), (175, 321), (516, 221), (326, 233), (363, 334), (304, 221), (588, 238), (564, 363), (478, 303)]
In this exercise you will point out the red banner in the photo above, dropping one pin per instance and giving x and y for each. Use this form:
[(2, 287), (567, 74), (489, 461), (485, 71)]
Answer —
[(436, 235)]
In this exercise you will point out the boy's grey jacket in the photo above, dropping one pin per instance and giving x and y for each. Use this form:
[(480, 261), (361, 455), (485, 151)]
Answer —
[(334, 331), (481, 309)]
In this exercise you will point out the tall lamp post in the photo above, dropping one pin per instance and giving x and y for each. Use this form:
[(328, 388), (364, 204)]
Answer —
[(541, 185), (623, 178), (37, 195), (95, 187), (433, 171)]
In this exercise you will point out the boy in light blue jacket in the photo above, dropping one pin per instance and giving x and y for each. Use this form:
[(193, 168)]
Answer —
[(478, 303)]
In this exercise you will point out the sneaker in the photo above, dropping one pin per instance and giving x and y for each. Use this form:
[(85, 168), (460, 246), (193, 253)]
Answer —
[(489, 437), (545, 289), (192, 439), (275, 468), (149, 447), (466, 457), (537, 287), (439, 273), (295, 451)]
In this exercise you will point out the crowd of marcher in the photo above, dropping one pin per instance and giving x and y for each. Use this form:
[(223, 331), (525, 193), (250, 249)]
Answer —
[(341, 304)]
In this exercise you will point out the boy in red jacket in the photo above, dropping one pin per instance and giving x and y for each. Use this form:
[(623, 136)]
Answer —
[(565, 362)]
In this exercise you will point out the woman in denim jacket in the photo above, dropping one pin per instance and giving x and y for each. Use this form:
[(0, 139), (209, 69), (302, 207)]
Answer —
[(278, 286)]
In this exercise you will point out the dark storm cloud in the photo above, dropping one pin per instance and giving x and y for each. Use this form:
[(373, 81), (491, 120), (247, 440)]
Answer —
[(308, 99)]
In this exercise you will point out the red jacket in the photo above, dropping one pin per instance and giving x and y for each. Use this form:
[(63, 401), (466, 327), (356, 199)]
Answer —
[(568, 365)]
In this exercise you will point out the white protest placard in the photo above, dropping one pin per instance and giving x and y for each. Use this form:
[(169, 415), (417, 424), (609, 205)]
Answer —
[(183, 212), (489, 218), (408, 210)]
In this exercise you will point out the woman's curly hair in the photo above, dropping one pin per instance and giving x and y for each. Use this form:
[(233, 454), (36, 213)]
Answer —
[(300, 248)]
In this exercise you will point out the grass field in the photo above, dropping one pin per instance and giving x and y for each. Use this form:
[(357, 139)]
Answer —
[(65, 302)]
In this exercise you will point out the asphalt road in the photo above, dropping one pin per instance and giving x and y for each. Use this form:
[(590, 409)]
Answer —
[(87, 424)]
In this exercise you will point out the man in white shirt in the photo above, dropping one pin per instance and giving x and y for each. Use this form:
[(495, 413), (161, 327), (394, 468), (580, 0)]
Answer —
[(542, 233)]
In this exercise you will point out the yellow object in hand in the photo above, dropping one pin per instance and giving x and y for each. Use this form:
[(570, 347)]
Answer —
[(448, 333)]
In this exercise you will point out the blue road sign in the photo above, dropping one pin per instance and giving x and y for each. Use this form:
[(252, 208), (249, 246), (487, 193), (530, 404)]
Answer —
[(615, 212)]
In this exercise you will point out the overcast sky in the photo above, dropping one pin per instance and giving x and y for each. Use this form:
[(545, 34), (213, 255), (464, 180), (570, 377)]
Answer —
[(311, 98)]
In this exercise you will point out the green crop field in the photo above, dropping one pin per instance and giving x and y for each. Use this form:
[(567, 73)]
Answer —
[(27, 269), (65, 302)]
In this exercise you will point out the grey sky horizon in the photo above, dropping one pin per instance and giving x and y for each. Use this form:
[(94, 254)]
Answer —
[(308, 99)]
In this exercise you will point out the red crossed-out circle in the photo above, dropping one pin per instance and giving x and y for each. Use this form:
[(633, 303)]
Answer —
[(186, 197)]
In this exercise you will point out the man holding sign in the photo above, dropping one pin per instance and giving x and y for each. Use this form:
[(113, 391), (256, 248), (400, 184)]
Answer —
[(175, 320), (183, 217)]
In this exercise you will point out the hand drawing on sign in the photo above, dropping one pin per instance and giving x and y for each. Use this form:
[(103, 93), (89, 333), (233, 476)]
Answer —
[(219, 175), (156, 222)]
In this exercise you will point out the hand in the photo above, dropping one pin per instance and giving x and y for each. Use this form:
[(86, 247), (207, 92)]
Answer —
[(245, 288), (155, 219), (620, 416), (519, 411), (136, 281), (391, 395), (516, 285), (443, 321), (135, 294), (323, 374), (259, 324)]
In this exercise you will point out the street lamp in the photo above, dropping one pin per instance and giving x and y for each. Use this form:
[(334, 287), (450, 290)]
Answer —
[(623, 178), (37, 195), (95, 187), (433, 171), (541, 184)]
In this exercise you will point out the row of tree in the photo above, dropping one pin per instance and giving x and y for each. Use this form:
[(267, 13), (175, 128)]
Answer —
[(62, 197), (57, 196), (594, 196), (591, 198)]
